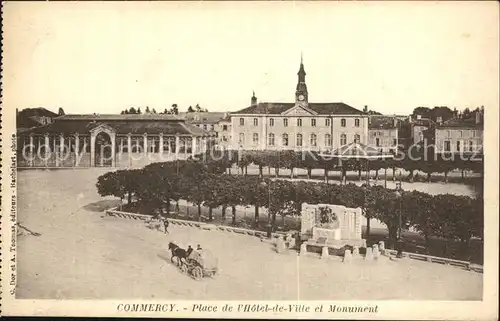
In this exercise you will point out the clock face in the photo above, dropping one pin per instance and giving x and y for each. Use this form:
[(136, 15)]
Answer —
[(301, 97)]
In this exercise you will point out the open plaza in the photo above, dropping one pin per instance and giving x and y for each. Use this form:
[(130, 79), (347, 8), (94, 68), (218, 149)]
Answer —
[(94, 256)]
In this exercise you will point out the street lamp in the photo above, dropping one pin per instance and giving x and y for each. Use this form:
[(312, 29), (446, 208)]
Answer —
[(399, 244), (269, 225)]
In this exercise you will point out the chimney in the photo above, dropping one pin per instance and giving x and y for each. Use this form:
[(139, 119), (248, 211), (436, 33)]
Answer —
[(439, 120), (419, 116), (395, 122)]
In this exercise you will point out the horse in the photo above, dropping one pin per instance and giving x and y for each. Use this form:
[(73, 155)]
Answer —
[(178, 252)]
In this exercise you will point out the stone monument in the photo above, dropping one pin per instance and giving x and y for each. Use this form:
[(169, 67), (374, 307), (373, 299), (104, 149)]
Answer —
[(331, 225)]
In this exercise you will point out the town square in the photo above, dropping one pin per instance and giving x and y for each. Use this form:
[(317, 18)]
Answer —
[(286, 159)]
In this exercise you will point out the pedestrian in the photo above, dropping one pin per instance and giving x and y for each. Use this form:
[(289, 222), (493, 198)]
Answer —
[(198, 248), (165, 224), (189, 250)]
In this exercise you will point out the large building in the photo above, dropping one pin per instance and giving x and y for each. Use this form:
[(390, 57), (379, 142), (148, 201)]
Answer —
[(110, 140), (298, 125)]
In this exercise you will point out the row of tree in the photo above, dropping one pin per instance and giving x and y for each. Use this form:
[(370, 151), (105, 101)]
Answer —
[(174, 110), (205, 184), (290, 159)]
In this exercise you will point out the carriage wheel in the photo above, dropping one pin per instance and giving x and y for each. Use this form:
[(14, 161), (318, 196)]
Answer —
[(197, 273), (184, 268)]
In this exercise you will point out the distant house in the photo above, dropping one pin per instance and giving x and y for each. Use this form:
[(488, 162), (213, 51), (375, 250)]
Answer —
[(216, 123), (383, 133), (204, 120), (418, 125), (458, 135), (223, 131)]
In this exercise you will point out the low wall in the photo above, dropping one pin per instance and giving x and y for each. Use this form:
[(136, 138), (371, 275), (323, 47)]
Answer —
[(441, 260), (205, 226)]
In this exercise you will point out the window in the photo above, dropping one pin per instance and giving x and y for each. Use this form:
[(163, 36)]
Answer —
[(271, 121), (342, 122), (458, 146), (153, 144), (242, 138), (313, 140), (327, 122), (211, 127), (356, 138), (471, 146), (461, 133), (313, 122), (224, 138), (299, 122), (224, 128), (395, 142), (356, 122), (205, 127), (377, 142), (328, 140), (447, 146), (255, 138), (285, 139), (256, 122), (448, 133), (343, 139), (299, 140), (271, 139), (242, 121), (285, 122)]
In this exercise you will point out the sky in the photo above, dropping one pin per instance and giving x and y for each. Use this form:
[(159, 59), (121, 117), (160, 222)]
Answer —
[(98, 57)]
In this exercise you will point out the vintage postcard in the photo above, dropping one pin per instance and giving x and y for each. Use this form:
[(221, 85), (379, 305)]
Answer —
[(320, 160)]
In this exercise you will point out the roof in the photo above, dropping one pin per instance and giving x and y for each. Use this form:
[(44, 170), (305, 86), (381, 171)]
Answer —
[(69, 127), (381, 122), (25, 122), (461, 123), (204, 117), (422, 122), (38, 111), (320, 108), (358, 150), (119, 117)]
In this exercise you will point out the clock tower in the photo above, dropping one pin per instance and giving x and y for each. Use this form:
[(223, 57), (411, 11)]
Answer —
[(301, 96)]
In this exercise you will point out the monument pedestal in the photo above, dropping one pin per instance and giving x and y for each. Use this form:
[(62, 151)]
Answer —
[(329, 234)]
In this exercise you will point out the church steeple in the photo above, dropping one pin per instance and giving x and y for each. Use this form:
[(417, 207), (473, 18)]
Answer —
[(301, 95)]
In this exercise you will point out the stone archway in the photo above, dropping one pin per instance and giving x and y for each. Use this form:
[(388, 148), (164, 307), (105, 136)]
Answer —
[(103, 150)]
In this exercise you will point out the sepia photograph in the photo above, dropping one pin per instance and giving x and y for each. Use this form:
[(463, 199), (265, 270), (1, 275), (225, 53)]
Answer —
[(251, 159)]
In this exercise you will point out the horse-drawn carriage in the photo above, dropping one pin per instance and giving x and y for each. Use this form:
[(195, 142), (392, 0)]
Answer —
[(198, 264)]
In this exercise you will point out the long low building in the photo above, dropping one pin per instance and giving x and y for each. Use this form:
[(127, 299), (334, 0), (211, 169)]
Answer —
[(110, 140)]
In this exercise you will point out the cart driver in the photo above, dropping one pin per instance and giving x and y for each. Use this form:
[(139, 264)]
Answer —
[(189, 250)]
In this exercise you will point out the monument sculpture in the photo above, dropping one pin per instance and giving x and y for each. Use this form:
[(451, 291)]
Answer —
[(334, 226)]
